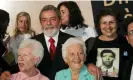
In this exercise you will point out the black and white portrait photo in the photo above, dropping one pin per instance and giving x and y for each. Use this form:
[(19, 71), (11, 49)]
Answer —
[(107, 59)]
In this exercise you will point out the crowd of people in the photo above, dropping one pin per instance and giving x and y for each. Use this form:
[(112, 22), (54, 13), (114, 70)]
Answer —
[(67, 49)]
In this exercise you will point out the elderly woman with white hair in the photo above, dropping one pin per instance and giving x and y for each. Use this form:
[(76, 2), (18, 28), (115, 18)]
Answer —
[(74, 54), (30, 54)]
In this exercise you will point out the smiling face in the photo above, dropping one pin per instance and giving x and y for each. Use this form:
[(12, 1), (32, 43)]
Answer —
[(22, 24), (26, 61), (75, 57), (50, 22), (108, 25), (64, 15)]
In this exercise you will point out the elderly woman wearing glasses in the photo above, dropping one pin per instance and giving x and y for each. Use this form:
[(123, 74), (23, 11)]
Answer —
[(74, 54), (30, 54)]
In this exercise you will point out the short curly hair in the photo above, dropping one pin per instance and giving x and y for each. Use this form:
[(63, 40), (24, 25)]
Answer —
[(104, 12)]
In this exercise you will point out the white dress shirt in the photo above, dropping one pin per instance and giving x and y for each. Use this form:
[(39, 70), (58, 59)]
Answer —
[(131, 77), (104, 69), (112, 72), (54, 37)]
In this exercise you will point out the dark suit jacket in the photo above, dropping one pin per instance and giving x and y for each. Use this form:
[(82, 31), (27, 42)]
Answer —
[(127, 68), (2, 48), (48, 67), (3, 64)]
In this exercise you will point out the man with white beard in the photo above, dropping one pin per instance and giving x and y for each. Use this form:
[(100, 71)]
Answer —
[(52, 61), (52, 40)]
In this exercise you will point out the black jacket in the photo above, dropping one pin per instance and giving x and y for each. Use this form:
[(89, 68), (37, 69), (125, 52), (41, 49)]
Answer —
[(3, 64), (127, 68)]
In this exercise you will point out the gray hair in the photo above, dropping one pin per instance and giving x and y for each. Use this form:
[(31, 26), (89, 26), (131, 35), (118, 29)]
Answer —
[(50, 7), (72, 41), (36, 46)]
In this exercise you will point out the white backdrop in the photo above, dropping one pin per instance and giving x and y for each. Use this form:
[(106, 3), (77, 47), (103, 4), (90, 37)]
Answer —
[(33, 7)]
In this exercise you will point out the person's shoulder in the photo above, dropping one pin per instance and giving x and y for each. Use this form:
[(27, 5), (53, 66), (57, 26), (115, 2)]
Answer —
[(90, 40), (38, 36), (85, 74), (122, 39), (42, 77), (115, 69), (32, 33), (15, 76), (62, 73), (83, 25), (90, 28), (65, 34), (12, 38)]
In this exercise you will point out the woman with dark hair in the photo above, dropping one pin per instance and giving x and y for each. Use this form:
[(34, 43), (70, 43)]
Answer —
[(4, 21), (73, 21), (108, 39)]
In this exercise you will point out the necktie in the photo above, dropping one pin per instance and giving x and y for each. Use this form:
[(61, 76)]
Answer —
[(52, 48), (106, 72)]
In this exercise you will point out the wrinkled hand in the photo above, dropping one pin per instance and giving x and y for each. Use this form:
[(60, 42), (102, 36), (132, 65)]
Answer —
[(5, 75), (94, 70)]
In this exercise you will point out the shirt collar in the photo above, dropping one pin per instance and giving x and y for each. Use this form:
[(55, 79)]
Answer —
[(24, 76), (54, 37), (109, 70), (83, 72)]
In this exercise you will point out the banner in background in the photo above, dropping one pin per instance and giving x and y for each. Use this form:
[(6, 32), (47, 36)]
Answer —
[(123, 7)]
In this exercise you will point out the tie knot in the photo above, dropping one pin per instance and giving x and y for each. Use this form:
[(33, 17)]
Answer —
[(51, 40)]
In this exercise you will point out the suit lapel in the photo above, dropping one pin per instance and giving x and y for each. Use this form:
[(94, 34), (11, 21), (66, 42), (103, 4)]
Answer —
[(60, 39), (127, 69), (43, 41), (59, 43), (67, 75)]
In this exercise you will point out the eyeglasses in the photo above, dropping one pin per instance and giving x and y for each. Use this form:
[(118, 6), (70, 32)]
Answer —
[(130, 32)]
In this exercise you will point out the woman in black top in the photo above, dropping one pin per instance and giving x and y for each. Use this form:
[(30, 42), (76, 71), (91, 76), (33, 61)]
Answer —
[(108, 40)]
